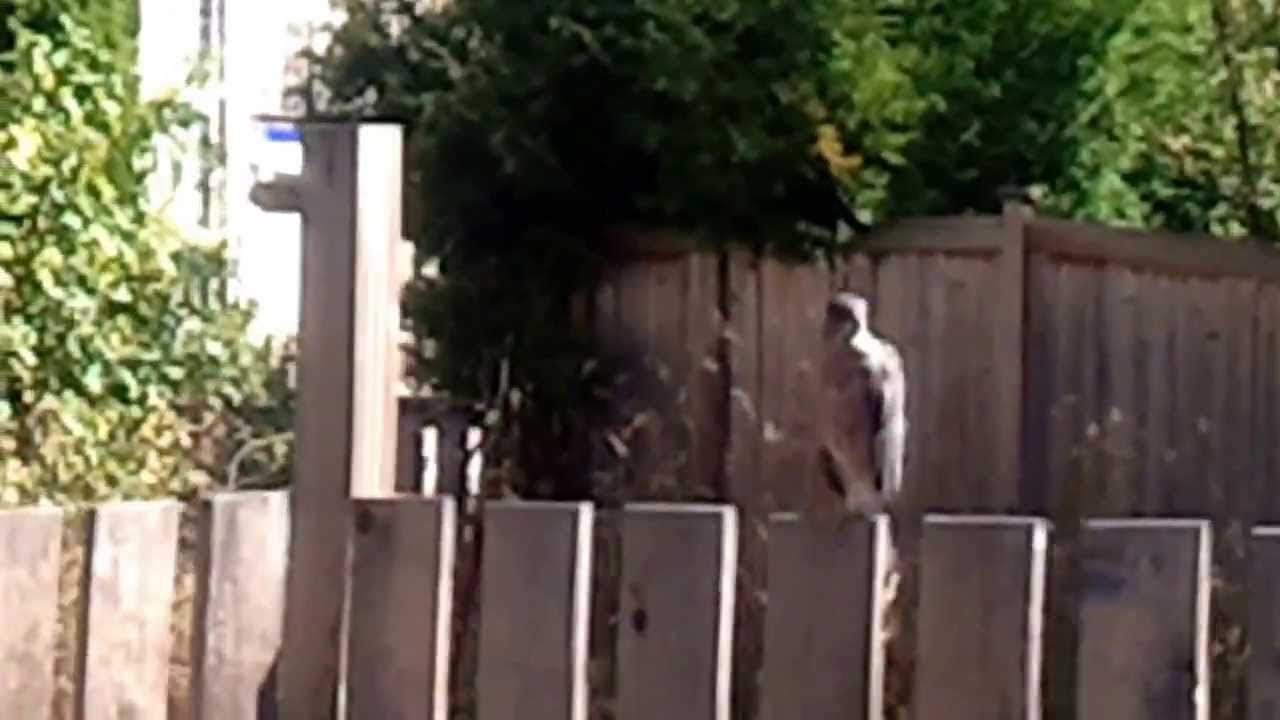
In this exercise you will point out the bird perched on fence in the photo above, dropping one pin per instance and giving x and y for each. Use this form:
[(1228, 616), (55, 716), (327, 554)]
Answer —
[(863, 420)]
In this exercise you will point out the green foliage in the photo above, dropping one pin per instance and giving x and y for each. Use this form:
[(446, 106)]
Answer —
[(118, 357), (541, 129), (1010, 77), (1183, 127)]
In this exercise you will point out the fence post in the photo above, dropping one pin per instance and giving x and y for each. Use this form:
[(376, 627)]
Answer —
[(349, 196), (981, 619), (1010, 321), (30, 561), (1144, 619), (675, 624), (823, 651)]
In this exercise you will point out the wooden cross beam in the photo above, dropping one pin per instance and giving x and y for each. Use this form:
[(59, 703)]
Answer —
[(349, 197)]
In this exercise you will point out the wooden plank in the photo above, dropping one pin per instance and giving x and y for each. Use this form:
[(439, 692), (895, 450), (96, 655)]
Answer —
[(1264, 623), (822, 661), (938, 485), (676, 618), (1160, 328), (1091, 439), (743, 337), (1146, 581), (239, 604), (129, 583), (1067, 414), (981, 617), (30, 561), (1185, 255), (953, 235), (535, 585), (374, 345), (1040, 386), (1006, 388), (1242, 472), (1123, 344), (793, 304), (1267, 430), (705, 386), (401, 607), (1194, 399)]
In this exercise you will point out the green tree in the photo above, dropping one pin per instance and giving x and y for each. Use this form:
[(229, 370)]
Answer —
[(1183, 129), (118, 355)]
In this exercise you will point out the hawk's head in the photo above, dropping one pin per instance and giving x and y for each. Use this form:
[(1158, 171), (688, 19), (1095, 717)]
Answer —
[(846, 316)]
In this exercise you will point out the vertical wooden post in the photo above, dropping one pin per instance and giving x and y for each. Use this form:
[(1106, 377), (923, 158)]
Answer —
[(30, 560), (675, 627), (126, 616), (1264, 622), (349, 198), (1010, 314), (534, 618), (239, 604), (1144, 620), (401, 607)]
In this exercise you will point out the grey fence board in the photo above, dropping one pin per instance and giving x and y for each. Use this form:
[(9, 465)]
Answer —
[(821, 659), (239, 604), (401, 605), (535, 590), (676, 621), (30, 560)]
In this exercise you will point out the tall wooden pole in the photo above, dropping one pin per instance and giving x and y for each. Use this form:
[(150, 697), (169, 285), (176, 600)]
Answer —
[(345, 433)]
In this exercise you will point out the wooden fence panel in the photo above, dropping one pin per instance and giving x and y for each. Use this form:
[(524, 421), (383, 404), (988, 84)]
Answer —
[(676, 619), (981, 617), (1144, 620), (658, 315), (935, 308), (821, 659), (792, 304), (535, 590), (30, 561), (1266, 392), (743, 462), (402, 564), (239, 604), (1151, 379), (132, 551)]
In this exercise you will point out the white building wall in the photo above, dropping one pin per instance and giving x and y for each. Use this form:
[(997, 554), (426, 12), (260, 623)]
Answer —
[(251, 42)]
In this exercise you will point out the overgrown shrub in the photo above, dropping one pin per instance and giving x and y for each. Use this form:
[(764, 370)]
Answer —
[(120, 361)]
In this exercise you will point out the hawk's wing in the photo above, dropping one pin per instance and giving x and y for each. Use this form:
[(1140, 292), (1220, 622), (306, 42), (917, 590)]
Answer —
[(888, 391)]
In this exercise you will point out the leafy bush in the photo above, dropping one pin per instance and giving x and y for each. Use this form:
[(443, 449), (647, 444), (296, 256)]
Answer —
[(119, 360)]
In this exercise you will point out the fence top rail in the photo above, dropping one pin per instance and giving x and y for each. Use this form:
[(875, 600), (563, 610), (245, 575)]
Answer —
[(1156, 251), (953, 235), (1187, 254)]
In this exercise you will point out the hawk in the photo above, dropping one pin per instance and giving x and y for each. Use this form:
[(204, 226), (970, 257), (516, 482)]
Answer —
[(863, 423)]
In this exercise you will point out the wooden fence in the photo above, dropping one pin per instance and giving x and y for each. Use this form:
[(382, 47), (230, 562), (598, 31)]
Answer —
[(1143, 617), (1038, 352)]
